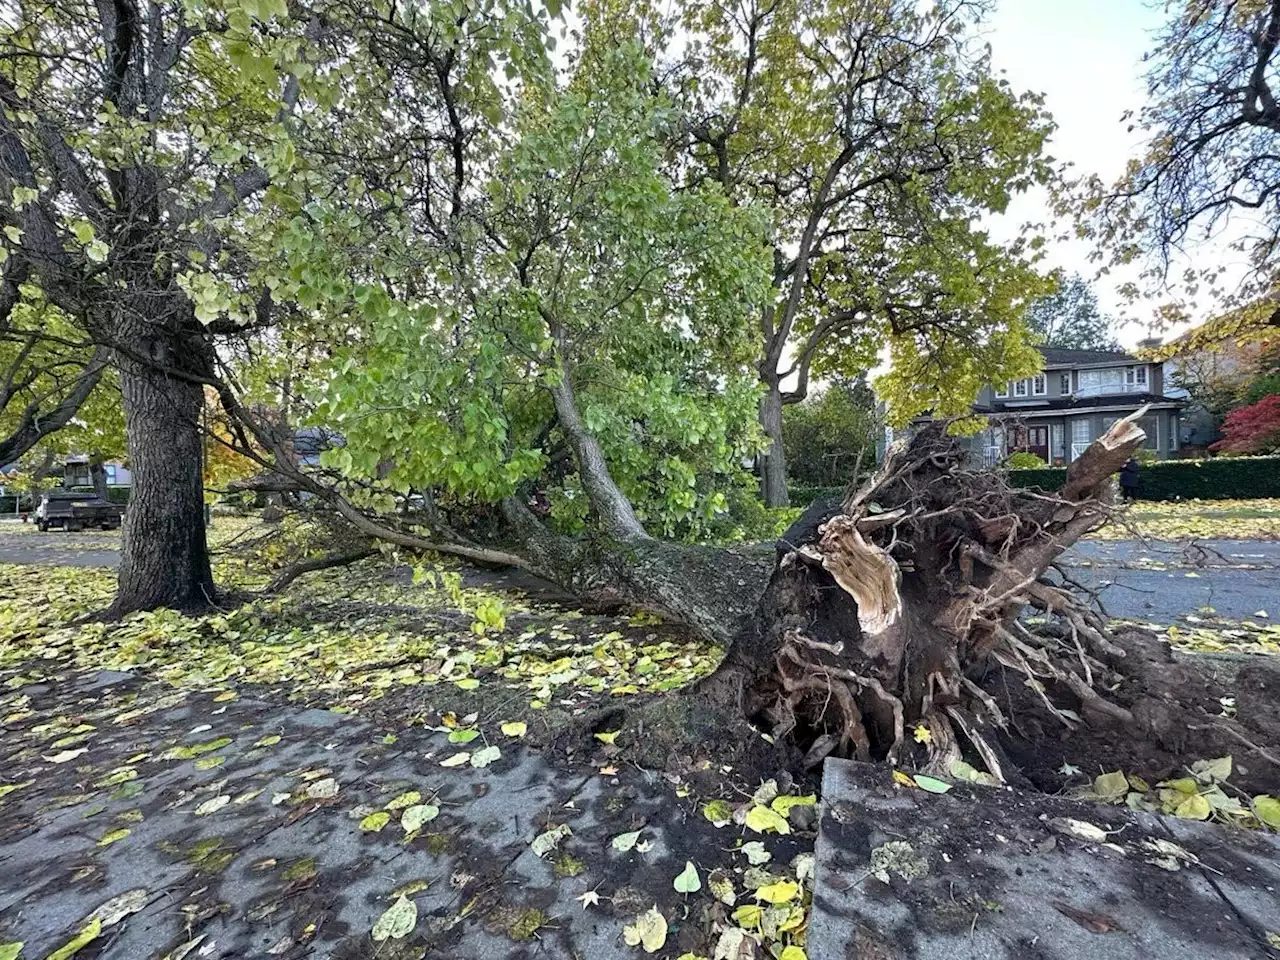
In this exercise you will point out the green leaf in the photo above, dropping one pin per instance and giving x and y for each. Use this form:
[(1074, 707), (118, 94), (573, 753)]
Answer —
[(414, 817), (10, 951), (1267, 809), (397, 922), (1195, 807), (688, 881), (624, 842), (407, 799), (463, 736), (932, 784), (763, 820), (784, 805), (112, 836), (87, 935), (781, 892), (375, 821), (548, 840), (756, 853), (719, 812), (1212, 771), (486, 756)]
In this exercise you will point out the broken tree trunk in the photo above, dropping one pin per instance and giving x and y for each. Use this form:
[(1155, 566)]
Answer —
[(882, 613)]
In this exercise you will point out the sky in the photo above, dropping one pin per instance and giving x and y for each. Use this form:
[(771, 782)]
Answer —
[(1085, 56)]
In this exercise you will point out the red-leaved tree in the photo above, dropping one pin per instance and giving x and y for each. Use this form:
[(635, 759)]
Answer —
[(1252, 429)]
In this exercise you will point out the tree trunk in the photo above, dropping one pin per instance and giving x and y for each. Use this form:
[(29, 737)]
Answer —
[(613, 510), (165, 557), (773, 462), (98, 476), (880, 611)]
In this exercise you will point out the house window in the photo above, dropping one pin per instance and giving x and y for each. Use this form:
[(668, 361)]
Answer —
[(1066, 384), (1019, 388), (1135, 377), (1039, 385), (1003, 389), (1151, 427)]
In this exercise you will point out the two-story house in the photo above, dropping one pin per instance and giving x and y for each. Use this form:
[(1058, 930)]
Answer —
[(1076, 396)]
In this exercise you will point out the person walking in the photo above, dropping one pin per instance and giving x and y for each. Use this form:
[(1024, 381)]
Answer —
[(1129, 479)]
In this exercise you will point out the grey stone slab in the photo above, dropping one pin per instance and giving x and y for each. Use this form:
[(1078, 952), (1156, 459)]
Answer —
[(989, 874)]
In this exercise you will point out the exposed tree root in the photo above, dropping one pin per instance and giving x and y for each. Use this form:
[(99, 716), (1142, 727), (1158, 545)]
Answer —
[(882, 613)]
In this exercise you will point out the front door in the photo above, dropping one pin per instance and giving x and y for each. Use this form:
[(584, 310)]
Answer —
[(1038, 442)]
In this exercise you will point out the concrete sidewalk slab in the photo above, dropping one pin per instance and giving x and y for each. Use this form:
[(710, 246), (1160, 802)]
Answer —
[(989, 874)]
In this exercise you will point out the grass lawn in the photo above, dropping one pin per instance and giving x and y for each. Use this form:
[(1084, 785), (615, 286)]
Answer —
[(1198, 519)]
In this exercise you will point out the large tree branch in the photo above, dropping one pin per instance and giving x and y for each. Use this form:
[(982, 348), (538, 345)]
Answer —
[(35, 426)]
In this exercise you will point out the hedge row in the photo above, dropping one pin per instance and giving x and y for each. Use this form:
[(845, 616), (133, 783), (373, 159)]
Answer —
[(802, 496), (9, 504), (116, 494), (1220, 478)]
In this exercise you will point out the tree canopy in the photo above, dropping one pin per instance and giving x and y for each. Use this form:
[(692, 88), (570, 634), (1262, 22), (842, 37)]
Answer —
[(1210, 170), (1070, 318), (496, 280)]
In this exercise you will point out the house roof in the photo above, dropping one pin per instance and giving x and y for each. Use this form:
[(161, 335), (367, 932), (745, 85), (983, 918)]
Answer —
[(1127, 400), (1062, 357)]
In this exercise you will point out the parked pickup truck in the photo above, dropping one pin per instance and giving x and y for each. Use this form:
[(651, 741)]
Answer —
[(76, 511)]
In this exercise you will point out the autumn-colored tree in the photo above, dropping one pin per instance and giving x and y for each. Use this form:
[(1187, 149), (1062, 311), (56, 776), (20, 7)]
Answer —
[(1252, 429)]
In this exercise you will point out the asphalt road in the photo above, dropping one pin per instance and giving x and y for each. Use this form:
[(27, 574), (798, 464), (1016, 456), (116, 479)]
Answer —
[(1162, 581), (1156, 581)]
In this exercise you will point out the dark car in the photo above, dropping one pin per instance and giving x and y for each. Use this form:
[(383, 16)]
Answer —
[(76, 511)]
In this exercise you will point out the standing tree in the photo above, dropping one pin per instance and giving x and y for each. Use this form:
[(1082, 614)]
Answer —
[(876, 136), (828, 434), (1070, 318), (142, 145), (1211, 170)]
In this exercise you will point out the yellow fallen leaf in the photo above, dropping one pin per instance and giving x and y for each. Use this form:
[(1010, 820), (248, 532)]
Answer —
[(780, 892), (648, 931)]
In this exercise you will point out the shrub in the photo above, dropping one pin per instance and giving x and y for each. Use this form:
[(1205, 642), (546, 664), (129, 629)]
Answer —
[(1045, 478), (1024, 460), (1220, 478), (802, 496), (824, 436), (1252, 429)]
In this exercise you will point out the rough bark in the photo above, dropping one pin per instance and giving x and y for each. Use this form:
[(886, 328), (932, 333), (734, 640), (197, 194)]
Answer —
[(616, 516), (165, 556), (773, 462), (98, 476), (881, 610)]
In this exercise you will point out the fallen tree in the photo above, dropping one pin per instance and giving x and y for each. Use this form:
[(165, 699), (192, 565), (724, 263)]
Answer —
[(883, 611)]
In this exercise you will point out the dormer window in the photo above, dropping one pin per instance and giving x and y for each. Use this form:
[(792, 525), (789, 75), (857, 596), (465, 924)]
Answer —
[(1066, 384), (1002, 390), (1135, 377), (1039, 385), (1019, 388)]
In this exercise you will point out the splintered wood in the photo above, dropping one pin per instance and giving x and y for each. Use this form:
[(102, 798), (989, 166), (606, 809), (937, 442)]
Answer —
[(866, 572)]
